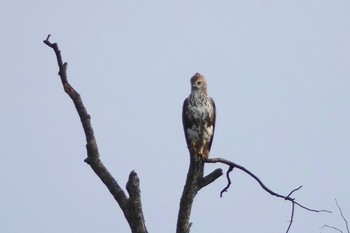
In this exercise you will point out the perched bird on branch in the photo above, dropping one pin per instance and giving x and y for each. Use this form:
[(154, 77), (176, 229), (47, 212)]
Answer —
[(198, 117)]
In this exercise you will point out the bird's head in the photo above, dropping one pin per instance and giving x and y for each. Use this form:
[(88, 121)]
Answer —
[(198, 83)]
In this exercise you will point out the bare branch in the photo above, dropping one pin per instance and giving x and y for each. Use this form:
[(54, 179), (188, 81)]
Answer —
[(229, 170), (291, 218), (211, 177), (294, 191), (328, 226), (234, 165), (131, 207), (136, 217), (288, 197), (342, 215)]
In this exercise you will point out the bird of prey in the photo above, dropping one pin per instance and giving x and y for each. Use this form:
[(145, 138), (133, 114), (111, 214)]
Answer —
[(198, 118)]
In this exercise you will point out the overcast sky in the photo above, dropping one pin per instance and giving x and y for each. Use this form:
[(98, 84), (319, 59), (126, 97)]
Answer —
[(277, 70)]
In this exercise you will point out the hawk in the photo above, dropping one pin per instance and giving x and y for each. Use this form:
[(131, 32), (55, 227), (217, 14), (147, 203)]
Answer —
[(198, 117)]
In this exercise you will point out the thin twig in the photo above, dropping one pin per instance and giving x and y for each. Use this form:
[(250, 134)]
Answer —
[(294, 191), (328, 226), (228, 180), (291, 218), (342, 215)]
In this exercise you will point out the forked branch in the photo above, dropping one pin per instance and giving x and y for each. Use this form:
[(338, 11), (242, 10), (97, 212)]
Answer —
[(194, 182), (131, 206), (233, 165), (344, 219)]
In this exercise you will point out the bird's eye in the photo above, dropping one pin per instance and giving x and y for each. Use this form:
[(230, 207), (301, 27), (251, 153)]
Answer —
[(199, 82)]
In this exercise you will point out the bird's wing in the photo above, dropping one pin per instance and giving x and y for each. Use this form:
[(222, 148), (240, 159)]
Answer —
[(212, 122), (185, 120)]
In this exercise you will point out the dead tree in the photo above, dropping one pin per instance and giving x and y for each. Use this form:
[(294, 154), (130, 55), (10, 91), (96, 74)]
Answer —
[(131, 204)]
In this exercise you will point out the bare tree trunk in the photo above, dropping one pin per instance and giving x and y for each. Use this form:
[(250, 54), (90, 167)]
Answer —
[(194, 182)]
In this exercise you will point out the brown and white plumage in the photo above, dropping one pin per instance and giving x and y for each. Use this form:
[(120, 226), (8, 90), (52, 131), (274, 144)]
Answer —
[(198, 117)]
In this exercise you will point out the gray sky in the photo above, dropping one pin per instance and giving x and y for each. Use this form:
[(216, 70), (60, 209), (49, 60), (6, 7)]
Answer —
[(277, 70)]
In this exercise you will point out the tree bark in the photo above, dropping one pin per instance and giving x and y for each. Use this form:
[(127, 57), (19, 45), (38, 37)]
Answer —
[(194, 182), (131, 206)]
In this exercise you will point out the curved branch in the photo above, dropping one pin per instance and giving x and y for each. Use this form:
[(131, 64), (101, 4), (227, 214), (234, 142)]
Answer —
[(131, 207), (343, 217), (234, 165), (229, 170), (334, 228), (287, 198)]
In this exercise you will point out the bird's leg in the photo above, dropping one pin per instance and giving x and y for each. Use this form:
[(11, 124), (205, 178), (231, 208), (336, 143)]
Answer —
[(200, 151), (203, 149), (205, 154), (192, 148)]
